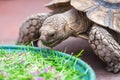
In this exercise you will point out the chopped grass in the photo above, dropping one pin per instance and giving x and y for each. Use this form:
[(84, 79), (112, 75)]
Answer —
[(38, 66)]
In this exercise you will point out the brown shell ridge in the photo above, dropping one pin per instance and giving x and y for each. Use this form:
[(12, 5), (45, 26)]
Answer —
[(108, 4), (110, 18), (92, 9), (57, 4), (109, 22)]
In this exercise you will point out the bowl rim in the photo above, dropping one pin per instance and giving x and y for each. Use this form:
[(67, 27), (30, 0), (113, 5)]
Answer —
[(80, 61)]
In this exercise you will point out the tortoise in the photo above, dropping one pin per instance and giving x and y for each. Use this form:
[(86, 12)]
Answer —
[(98, 21)]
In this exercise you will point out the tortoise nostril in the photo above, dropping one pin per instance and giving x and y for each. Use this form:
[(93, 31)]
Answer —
[(51, 33), (43, 38)]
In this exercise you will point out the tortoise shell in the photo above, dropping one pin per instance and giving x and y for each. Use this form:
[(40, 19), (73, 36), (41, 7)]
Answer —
[(56, 4), (102, 12)]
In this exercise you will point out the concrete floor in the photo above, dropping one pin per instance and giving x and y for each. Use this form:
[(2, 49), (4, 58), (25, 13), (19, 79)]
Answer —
[(12, 14)]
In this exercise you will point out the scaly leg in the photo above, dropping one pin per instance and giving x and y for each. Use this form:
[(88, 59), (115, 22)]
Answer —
[(29, 31), (105, 46)]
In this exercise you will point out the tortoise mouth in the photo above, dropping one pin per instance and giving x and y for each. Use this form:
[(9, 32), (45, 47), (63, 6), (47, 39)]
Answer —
[(51, 44), (115, 5)]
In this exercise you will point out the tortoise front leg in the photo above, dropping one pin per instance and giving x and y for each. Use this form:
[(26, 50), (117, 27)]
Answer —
[(105, 47), (29, 31)]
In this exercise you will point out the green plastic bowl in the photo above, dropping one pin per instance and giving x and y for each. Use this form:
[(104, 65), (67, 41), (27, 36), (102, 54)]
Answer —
[(80, 65)]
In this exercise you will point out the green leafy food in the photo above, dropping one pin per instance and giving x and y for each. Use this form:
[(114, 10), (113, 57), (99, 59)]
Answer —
[(35, 66)]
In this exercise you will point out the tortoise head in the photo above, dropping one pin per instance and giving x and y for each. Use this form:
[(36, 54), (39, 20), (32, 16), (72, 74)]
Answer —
[(53, 31)]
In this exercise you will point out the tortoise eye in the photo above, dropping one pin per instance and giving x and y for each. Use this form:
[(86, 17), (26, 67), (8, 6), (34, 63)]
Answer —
[(51, 33)]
